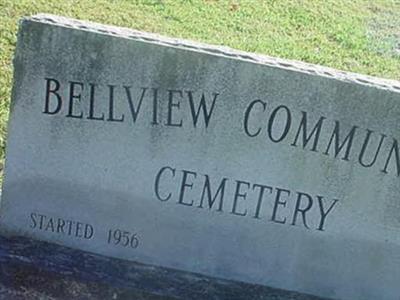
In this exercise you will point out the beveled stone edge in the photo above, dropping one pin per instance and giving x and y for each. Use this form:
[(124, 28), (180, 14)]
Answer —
[(293, 65), (20, 255)]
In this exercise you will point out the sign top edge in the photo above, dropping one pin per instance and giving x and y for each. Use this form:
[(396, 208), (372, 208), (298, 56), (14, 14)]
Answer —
[(224, 51)]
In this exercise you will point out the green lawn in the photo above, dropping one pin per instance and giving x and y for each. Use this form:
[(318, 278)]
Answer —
[(355, 35)]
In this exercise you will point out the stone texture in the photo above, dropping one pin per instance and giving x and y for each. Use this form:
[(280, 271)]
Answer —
[(272, 181), (37, 270)]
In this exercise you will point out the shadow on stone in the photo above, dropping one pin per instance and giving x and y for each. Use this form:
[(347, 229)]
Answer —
[(32, 269)]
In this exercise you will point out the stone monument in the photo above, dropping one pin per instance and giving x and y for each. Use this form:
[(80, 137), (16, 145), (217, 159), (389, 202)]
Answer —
[(204, 159)]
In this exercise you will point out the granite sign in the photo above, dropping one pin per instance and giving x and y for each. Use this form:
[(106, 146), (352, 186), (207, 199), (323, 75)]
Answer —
[(204, 159)]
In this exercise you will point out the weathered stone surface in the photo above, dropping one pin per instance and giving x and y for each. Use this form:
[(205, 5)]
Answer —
[(204, 159), (38, 270)]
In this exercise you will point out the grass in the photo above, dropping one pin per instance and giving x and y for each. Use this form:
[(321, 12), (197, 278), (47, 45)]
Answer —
[(355, 35)]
